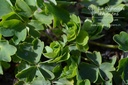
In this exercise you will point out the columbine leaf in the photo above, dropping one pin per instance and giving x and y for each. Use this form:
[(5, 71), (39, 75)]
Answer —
[(9, 27), (36, 24), (62, 56), (72, 29), (53, 51), (83, 82), (105, 71), (5, 7), (20, 36), (107, 19), (6, 50), (23, 8), (123, 69), (87, 24), (122, 40), (82, 38), (69, 71), (32, 4), (64, 81), (61, 16), (116, 2), (53, 1), (31, 52), (40, 81), (46, 73), (43, 18), (88, 71), (93, 31), (102, 2), (116, 8), (95, 57), (75, 19), (27, 74)]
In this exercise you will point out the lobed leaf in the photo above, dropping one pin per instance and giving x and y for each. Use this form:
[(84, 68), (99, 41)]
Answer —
[(95, 57), (6, 51), (31, 52), (23, 8), (122, 40), (88, 71), (5, 8), (82, 38), (123, 69), (27, 74)]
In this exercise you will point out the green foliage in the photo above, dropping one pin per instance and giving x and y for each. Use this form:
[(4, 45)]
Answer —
[(6, 51), (122, 40), (96, 69), (5, 8), (49, 41), (123, 69)]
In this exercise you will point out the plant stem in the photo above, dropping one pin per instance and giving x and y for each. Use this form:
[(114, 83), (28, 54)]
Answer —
[(104, 45)]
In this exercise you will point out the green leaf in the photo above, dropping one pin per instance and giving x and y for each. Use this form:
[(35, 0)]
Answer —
[(23, 8), (88, 71), (121, 40), (83, 82), (87, 24), (40, 81), (69, 71), (117, 78), (72, 29), (37, 25), (5, 8), (64, 81), (5, 65), (10, 27), (102, 70), (107, 19), (20, 36), (46, 73), (116, 8), (102, 2), (33, 32), (32, 4), (75, 19), (105, 71), (123, 69), (60, 15), (9, 16), (31, 52), (43, 18), (27, 74), (63, 56), (1, 70), (53, 51), (82, 38), (81, 48), (95, 57), (116, 2), (53, 1), (93, 30), (20, 83), (6, 51)]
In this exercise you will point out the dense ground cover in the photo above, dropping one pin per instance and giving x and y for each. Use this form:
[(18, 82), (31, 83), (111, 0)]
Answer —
[(63, 42)]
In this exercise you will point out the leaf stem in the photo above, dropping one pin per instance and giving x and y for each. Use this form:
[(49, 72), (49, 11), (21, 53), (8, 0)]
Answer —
[(104, 45)]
